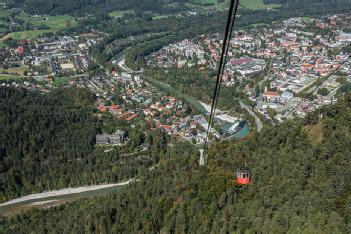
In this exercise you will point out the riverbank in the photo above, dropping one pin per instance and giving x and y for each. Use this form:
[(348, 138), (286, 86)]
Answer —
[(173, 92), (61, 192), (222, 115), (57, 197)]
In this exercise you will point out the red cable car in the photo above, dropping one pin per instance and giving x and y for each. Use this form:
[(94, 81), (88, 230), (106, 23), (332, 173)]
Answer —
[(243, 176)]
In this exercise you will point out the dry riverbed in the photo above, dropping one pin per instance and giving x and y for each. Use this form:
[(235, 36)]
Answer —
[(57, 197)]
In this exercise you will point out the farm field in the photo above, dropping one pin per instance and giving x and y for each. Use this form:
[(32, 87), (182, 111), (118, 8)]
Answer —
[(9, 77), (209, 4), (31, 34), (48, 23), (257, 4), (52, 22), (15, 70)]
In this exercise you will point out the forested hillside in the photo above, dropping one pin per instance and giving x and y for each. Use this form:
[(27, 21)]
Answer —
[(79, 7), (301, 184), (47, 142), (84, 6)]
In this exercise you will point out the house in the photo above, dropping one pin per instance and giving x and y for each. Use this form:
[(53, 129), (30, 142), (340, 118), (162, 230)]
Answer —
[(114, 73), (192, 125), (147, 111), (133, 116), (115, 109), (102, 139), (20, 50), (117, 138), (102, 108), (286, 96), (169, 106), (271, 96), (171, 99)]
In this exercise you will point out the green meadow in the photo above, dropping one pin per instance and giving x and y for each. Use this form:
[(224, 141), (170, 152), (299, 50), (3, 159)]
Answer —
[(256, 4), (51, 24), (120, 13), (31, 34), (9, 77), (60, 81)]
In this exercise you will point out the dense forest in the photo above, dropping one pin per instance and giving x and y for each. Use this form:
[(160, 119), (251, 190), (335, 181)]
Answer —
[(80, 7), (301, 184), (88, 6), (47, 142)]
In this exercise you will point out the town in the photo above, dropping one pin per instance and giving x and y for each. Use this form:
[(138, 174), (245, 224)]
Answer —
[(57, 57), (276, 65)]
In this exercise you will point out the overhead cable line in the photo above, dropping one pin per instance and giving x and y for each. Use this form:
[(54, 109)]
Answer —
[(225, 47)]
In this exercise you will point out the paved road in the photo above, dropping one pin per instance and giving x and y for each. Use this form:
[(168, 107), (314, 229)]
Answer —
[(123, 65), (258, 121)]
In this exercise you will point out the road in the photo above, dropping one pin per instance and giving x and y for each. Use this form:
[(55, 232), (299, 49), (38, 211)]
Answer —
[(123, 65), (258, 121), (134, 153)]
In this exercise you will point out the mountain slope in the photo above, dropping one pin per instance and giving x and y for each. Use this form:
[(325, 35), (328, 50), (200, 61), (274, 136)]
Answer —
[(299, 185), (47, 142)]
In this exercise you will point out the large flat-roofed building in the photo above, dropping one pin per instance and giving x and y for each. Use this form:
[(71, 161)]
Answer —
[(116, 138), (102, 139)]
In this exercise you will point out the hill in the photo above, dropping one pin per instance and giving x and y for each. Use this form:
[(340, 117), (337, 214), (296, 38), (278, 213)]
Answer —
[(299, 186), (47, 141), (79, 7)]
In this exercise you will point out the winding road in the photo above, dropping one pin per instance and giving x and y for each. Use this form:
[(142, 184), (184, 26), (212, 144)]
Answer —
[(259, 124)]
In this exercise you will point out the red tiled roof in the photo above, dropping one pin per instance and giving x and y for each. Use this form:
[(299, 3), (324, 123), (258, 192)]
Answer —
[(271, 94), (114, 107), (132, 117), (102, 108), (20, 50)]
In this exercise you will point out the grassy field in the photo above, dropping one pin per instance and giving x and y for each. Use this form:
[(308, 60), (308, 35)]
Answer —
[(257, 4), (53, 24), (60, 81), (307, 19), (9, 77), (158, 17), (315, 133), (15, 70), (209, 4), (32, 34), (120, 13)]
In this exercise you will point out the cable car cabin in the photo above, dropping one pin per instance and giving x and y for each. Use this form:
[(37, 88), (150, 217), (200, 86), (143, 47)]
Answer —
[(243, 176)]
